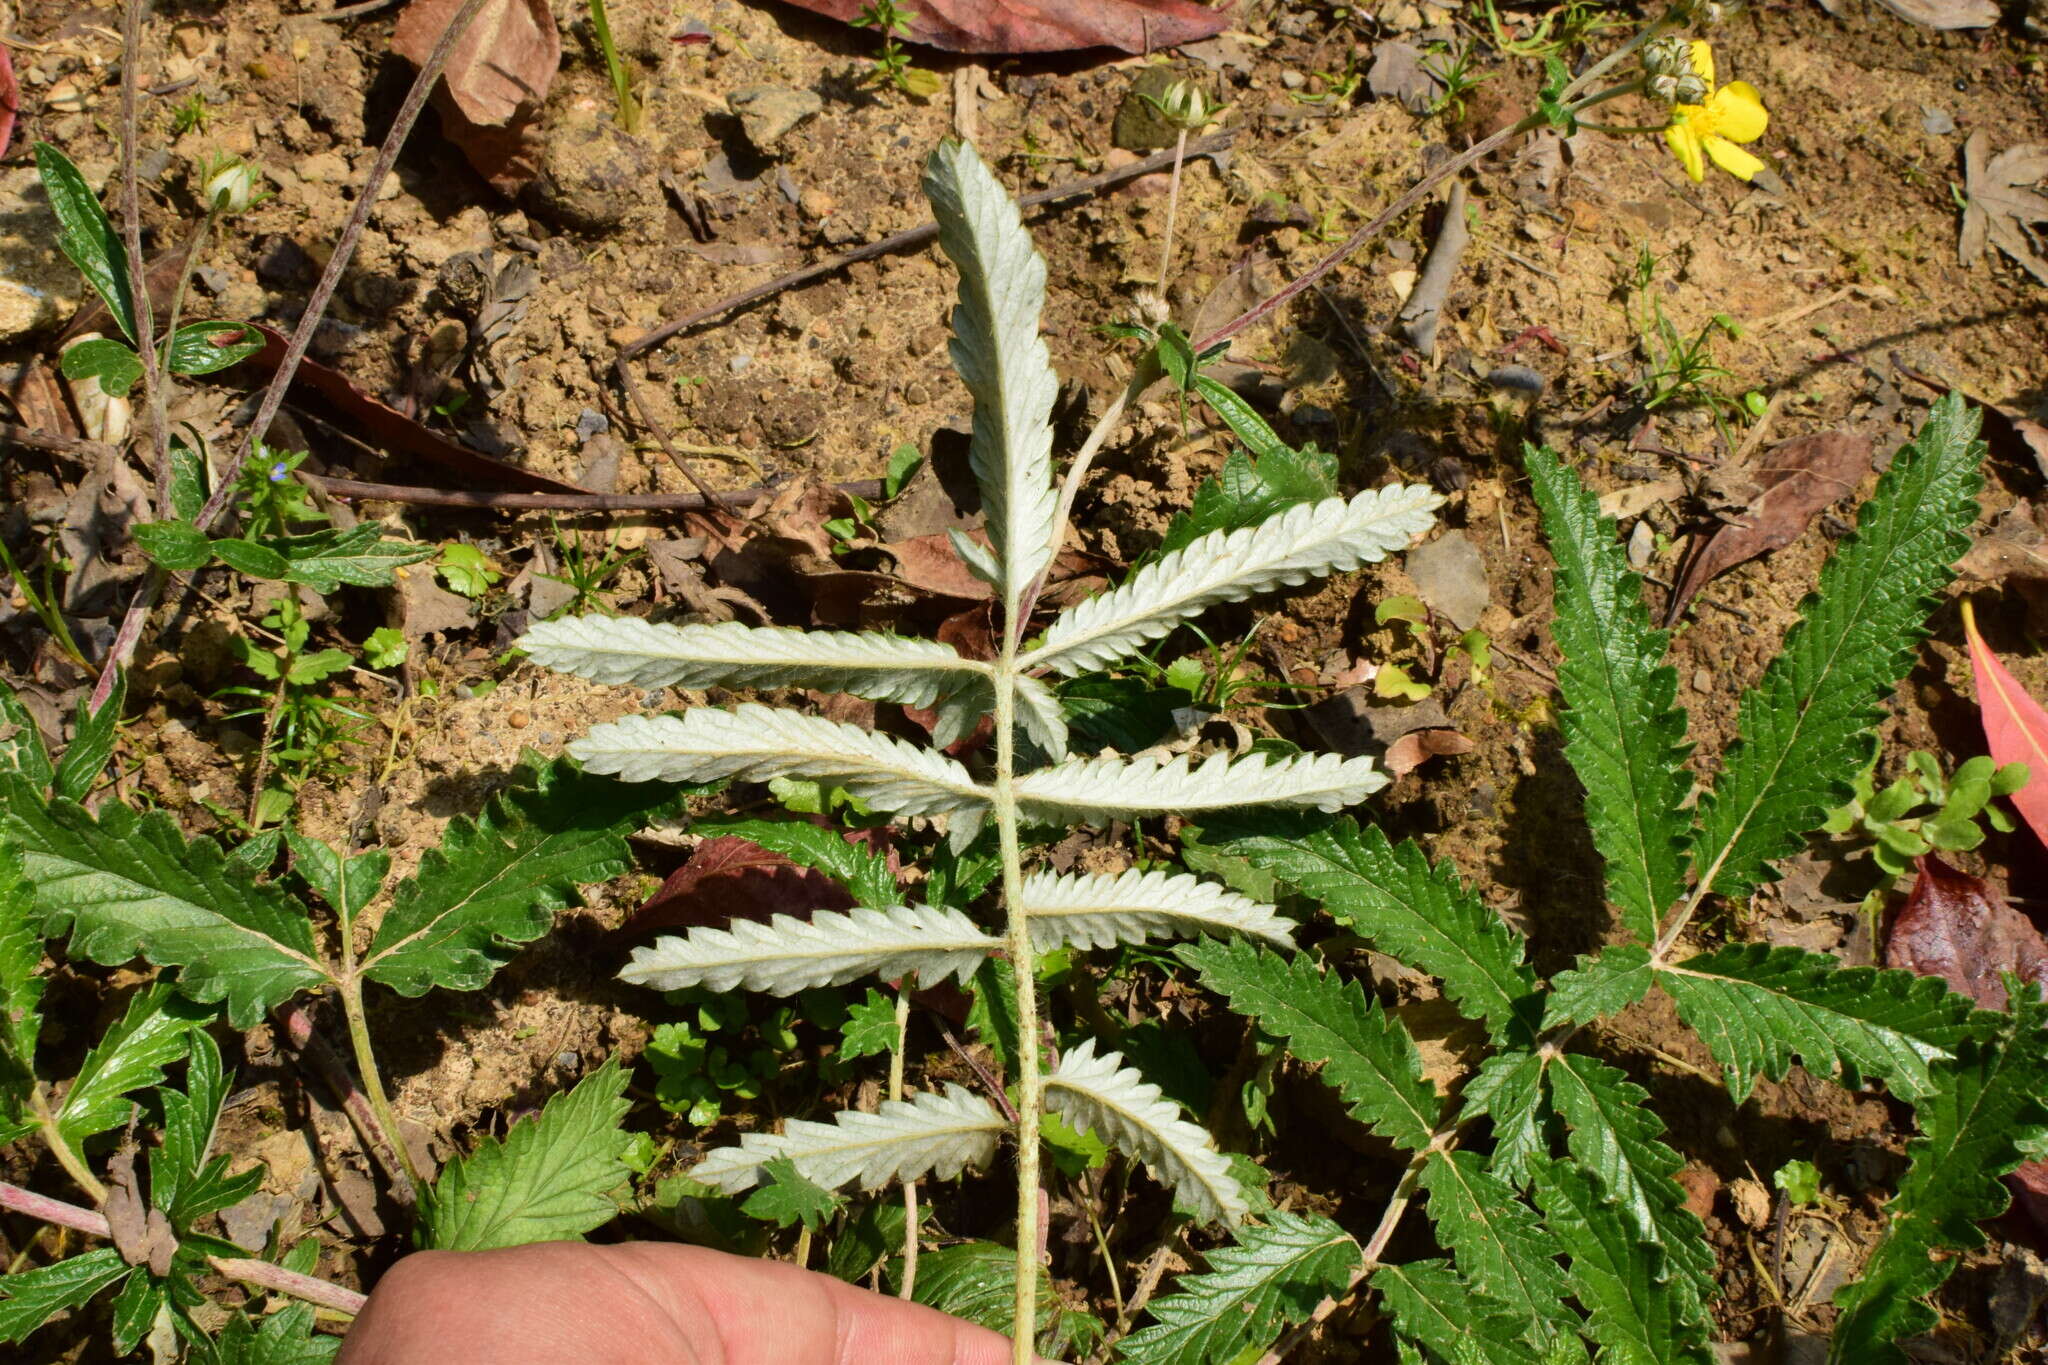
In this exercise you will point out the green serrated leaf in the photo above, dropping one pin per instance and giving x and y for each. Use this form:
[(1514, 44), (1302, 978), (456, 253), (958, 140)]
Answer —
[(1500, 1246), (829, 851), (1433, 1306), (21, 989), (1509, 1089), (286, 1337), (1983, 1116), (87, 236), (128, 884), (1615, 1137), (153, 1033), (1757, 1007), (359, 557), (1809, 725), (1248, 490), (33, 1297), (1624, 732), (1422, 914), (203, 347), (1125, 714), (188, 482), (548, 1179), (870, 1029), (497, 880), (135, 1309), (977, 1281), (866, 1239), (178, 546), (1639, 1313), (992, 1017), (1603, 984), (94, 734), (1367, 1055), (114, 364), (186, 1180), (21, 741), (347, 884), (251, 557), (786, 1198), (1269, 1279)]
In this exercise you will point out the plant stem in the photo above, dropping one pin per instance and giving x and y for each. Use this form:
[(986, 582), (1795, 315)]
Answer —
[(1180, 147), (351, 985), (262, 1273), (139, 300), (1030, 1088), (909, 1284), (61, 1148)]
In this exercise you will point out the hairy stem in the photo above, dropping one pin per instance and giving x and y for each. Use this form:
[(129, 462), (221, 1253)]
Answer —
[(1180, 147), (909, 1284), (60, 1147), (133, 14), (351, 984), (160, 398), (1030, 1086), (261, 1273)]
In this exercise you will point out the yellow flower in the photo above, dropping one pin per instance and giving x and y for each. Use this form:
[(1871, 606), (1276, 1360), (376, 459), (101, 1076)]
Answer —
[(1732, 114)]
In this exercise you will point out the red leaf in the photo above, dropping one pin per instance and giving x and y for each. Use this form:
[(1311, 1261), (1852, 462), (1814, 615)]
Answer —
[(494, 83), (2015, 726), (1798, 479), (1959, 928), (1417, 747), (10, 99), (731, 878), (1046, 25)]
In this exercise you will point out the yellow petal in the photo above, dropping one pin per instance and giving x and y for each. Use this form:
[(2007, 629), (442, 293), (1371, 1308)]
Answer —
[(1732, 158), (1703, 61), (1684, 141), (1737, 112)]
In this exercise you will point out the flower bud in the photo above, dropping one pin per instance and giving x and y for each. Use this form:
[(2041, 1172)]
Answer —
[(231, 188), (1691, 88), (1185, 105), (1662, 87), (1670, 55)]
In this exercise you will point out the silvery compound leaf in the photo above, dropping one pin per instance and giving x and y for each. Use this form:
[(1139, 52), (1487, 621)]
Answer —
[(907, 1140), (1040, 713), (761, 742), (1098, 790), (788, 954), (1000, 357), (1099, 912), (1307, 541), (624, 651), (1117, 1104)]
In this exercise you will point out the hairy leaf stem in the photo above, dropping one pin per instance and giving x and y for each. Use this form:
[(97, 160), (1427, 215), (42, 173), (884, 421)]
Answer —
[(1030, 1085), (350, 984)]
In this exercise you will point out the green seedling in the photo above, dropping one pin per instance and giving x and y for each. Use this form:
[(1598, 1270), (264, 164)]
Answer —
[(624, 101), (891, 66), (1926, 811)]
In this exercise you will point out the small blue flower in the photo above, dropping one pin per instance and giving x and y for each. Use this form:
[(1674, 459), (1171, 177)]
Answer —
[(278, 471)]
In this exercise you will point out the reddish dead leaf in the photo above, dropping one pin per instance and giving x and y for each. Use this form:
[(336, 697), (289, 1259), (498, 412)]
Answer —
[(1797, 479), (1959, 928), (37, 397), (2015, 726), (930, 564), (10, 99), (391, 430), (972, 634), (1047, 25), (730, 878), (1415, 748), (494, 82)]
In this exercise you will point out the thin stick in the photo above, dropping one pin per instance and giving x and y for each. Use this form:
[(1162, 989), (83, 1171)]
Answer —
[(262, 1273), (1180, 147), (126, 638), (914, 237), (870, 489), (139, 301), (909, 1284)]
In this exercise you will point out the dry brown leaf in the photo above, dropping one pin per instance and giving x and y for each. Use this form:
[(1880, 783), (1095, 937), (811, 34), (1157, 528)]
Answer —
[(2001, 206), (1046, 25), (1413, 749), (1945, 14), (1797, 479), (494, 82), (1959, 928)]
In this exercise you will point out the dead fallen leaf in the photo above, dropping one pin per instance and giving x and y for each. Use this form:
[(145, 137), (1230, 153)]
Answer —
[(9, 99), (1417, 747), (494, 82), (1945, 14), (729, 878), (1796, 479), (1399, 71), (2000, 206), (1047, 25), (1959, 928), (37, 397), (930, 563), (141, 1232)]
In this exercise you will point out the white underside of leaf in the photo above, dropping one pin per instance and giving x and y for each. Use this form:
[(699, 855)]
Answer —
[(625, 651), (1001, 358), (1097, 790), (788, 954), (1307, 541), (1099, 912), (1042, 717), (762, 742), (925, 1135), (1117, 1104)]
